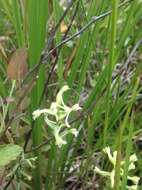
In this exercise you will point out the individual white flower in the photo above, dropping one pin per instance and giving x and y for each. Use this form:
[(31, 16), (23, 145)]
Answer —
[(73, 108), (59, 140), (108, 152), (38, 112), (62, 110), (54, 110), (131, 166), (76, 107), (134, 179), (74, 132), (59, 97), (133, 158)]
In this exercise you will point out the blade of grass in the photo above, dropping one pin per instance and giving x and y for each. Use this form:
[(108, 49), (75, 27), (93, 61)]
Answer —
[(13, 11), (127, 27), (37, 18), (58, 13), (7, 9), (111, 64), (81, 51), (18, 23), (128, 153)]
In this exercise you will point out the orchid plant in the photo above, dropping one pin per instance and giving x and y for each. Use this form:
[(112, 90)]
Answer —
[(59, 112), (112, 158)]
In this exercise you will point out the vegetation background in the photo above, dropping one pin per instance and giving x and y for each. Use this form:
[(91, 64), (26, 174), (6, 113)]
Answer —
[(95, 48)]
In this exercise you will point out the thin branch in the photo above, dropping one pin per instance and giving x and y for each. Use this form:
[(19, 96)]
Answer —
[(51, 38)]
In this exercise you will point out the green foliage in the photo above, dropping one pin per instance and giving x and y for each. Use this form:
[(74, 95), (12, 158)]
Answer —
[(94, 47), (9, 153)]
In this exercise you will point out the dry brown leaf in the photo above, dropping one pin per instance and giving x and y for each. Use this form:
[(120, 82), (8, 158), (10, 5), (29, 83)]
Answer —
[(17, 67), (69, 61), (63, 27)]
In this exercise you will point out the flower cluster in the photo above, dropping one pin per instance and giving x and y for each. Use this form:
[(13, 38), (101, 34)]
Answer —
[(59, 112), (111, 175)]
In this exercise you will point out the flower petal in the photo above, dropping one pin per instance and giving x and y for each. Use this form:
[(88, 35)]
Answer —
[(38, 112), (107, 151), (59, 98), (102, 173)]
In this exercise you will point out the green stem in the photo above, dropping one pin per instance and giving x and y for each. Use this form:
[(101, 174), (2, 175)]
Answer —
[(111, 64)]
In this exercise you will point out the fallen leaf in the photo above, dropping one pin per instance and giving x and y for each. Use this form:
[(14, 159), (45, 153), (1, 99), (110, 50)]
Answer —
[(17, 67)]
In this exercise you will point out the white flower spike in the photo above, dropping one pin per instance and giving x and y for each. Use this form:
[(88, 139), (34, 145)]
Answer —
[(60, 120), (111, 174)]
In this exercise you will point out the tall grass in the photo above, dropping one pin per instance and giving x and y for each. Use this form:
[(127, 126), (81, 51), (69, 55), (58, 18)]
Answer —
[(106, 100), (113, 25), (37, 16)]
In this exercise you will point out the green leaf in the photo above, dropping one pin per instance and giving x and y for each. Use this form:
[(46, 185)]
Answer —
[(9, 153)]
